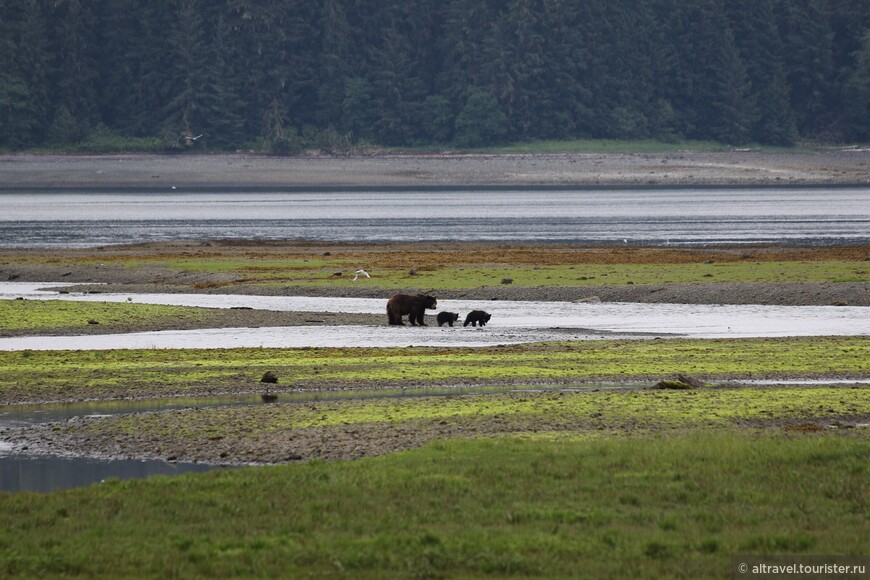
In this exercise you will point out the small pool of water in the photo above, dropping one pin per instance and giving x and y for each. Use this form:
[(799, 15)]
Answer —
[(44, 473)]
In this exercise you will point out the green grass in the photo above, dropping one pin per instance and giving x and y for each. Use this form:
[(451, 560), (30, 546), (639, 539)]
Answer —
[(298, 272), (591, 275), (38, 315), (674, 506), (80, 375), (556, 412)]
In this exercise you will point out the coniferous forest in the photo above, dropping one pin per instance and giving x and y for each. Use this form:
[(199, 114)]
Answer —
[(281, 75)]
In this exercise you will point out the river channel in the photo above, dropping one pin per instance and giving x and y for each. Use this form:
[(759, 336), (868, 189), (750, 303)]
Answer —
[(512, 322), (678, 216)]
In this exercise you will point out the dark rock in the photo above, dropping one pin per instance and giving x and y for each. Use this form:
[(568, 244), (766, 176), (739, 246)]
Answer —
[(673, 385), (690, 380)]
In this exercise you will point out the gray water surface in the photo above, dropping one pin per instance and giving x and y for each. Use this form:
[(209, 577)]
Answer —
[(681, 216), (512, 322)]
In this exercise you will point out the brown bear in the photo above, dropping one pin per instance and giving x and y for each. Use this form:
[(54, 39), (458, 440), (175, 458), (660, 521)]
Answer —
[(476, 317), (414, 306), (447, 317)]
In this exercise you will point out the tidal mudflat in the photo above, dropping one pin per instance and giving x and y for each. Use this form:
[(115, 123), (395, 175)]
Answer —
[(645, 474)]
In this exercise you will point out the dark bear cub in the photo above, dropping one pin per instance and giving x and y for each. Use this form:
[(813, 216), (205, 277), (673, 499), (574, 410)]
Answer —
[(447, 317), (476, 317)]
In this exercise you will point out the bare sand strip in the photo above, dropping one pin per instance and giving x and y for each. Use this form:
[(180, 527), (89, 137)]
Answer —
[(240, 171)]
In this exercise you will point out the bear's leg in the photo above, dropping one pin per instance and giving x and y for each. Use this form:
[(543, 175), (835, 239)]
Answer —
[(393, 319), (451, 324)]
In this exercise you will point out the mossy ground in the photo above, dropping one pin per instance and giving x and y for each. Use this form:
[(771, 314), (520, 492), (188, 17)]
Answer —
[(51, 315), (32, 376), (270, 433)]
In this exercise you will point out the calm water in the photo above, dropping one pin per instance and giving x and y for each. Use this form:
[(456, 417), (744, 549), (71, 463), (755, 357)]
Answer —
[(639, 216), (23, 473)]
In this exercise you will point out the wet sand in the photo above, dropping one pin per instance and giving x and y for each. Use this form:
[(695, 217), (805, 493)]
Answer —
[(239, 171)]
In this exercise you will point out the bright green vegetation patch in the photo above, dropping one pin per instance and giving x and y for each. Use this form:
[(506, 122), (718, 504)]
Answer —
[(523, 412), (70, 315), (622, 507), (652, 274), (245, 266), (67, 375), (324, 272)]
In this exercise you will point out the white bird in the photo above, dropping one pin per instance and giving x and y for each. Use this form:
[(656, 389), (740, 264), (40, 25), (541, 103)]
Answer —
[(361, 272)]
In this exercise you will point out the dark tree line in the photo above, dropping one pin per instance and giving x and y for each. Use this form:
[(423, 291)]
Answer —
[(282, 74)]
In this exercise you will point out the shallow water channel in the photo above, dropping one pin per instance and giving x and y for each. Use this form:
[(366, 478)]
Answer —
[(512, 322)]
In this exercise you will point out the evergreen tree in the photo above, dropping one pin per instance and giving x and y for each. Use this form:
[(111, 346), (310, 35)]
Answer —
[(335, 64), (75, 69), (468, 27), (185, 113), (398, 88), (857, 95), (24, 100), (808, 49), (225, 110), (481, 121), (714, 96), (758, 43)]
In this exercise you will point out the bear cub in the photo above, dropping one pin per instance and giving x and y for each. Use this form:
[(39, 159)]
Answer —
[(447, 318), (476, 317)]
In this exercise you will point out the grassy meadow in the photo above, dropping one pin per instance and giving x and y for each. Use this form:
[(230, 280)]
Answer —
[(674, 506)]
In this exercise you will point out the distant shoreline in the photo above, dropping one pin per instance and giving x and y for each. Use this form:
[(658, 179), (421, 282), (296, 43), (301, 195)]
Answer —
[(252, 172)]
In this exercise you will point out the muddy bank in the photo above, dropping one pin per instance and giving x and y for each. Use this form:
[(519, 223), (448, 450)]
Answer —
[(215, 318), (266, 434), (240, 171)]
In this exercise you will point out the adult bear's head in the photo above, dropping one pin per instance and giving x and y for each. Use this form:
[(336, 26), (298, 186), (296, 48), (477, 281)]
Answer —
[(430, 302)]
